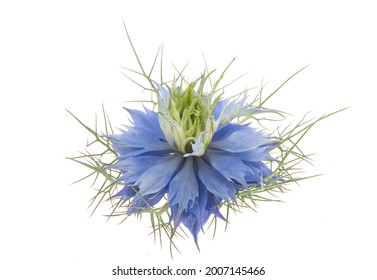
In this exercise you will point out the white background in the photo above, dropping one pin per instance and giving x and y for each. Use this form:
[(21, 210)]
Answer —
[(67, 54)]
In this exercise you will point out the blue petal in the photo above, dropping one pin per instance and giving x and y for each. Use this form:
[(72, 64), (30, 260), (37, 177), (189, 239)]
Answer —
[(127, 192), (183, 188), (241, 140), (138, 138), (225, 130), (229, 166), (146, 201), (197, 215), (195, 218), (213, 205), (193, 224), (214, 181), (144, 137), (162, 90), (147, 121), (218, 109), (227, 110), (134, 143), (260, 168), (158, 176), (198, 208), (257, 154), (260, 171), (134, 167)]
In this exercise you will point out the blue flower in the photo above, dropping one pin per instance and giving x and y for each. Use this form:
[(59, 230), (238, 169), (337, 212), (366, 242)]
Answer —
[(191, 153)]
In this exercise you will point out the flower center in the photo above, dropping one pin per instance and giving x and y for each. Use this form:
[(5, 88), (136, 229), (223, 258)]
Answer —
[(185, 116)]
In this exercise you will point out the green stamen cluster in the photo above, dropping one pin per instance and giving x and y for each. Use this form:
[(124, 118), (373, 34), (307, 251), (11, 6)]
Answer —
[(186, 117), (187, 109)]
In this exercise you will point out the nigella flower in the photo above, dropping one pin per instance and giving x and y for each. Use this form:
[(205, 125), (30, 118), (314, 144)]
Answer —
[(191, 152), (195, 155)]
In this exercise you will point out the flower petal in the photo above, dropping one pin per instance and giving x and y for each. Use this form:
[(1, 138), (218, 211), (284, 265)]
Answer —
[(199, 207), (145, 136), (132, 168), (139, 138), (196, 216), (226, 109), (214, 181), (183, 188), (260, 171), (136, 142), (229, 166), (163, 91), (225, 130), (194, 225), (142, 202), (127, 192), (158, 176), (147, 121), (241, 140), (213, 205), (257, 154)]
